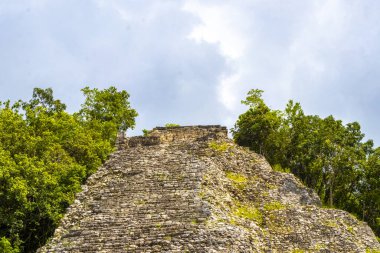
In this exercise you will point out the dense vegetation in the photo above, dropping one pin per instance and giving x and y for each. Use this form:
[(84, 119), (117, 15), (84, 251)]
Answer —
[(325, 154), (46, 153)]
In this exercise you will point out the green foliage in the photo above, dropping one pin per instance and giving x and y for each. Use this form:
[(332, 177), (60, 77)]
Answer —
[(257, 127), (6, 247), (45, 156), (325, 154), (219, 147), (171, 125), (43, 98), (145, 132), (107, 111), (279, 168)]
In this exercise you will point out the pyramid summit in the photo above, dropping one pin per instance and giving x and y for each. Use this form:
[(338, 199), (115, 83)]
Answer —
[(191, 189)]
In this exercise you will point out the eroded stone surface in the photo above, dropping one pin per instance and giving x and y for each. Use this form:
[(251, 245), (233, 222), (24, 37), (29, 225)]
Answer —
[(190, 189)]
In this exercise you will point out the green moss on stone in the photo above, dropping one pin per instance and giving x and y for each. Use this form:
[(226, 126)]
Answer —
[(319, 246), (350, 229), (271, 186), (236, 177), (368, 250), (275, 205), (249, 212), (298, 251), (239, 181), (330, 223)]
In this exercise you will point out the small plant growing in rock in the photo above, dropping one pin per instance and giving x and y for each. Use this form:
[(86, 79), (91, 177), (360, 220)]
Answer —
[(171, 125), (219, 147), (279, 168), (350, 229), (145, 132)]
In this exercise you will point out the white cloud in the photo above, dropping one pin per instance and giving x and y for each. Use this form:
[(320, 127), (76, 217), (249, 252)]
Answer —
[(191, 62), (312, 51), (138, 46), (220, 25)]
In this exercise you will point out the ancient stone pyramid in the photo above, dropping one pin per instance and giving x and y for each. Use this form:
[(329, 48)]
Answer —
[(190, 189)]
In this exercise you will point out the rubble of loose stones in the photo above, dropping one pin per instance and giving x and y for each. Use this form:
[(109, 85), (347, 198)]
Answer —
[(190, 189)]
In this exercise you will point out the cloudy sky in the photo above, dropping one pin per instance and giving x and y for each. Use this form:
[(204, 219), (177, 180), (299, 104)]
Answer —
[(191, 62)]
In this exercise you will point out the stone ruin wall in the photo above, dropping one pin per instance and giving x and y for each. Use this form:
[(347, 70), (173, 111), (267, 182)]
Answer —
[(169, 191), (166, 135)]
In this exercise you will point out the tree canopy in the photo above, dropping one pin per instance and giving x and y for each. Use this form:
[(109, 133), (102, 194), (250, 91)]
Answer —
[(46, 154), (327, 155)]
